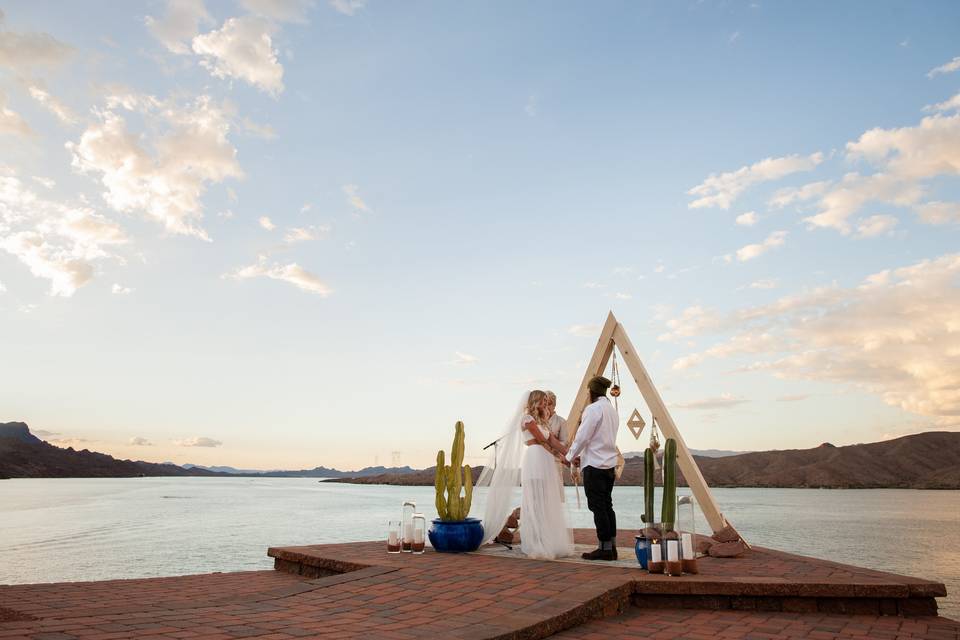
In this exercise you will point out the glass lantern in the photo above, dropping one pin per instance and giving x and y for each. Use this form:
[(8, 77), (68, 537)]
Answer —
[(687, 525), (407, 512), (394, 536), (419, 533)]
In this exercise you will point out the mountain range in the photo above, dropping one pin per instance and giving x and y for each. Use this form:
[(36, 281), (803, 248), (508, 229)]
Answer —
[(923, 461)]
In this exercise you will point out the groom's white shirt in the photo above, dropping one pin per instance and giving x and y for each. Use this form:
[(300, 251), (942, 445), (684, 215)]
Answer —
[(596, 441)]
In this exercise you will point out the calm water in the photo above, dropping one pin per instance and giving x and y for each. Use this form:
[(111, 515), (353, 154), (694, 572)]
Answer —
[(93, 529)]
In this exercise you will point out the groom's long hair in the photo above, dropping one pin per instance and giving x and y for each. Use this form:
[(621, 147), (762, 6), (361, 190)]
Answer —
[(533, 406)]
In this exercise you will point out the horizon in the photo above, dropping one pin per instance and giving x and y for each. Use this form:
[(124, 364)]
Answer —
[(260, 233)]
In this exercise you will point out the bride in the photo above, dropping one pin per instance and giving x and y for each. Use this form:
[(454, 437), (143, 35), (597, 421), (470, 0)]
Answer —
[(525, 456)]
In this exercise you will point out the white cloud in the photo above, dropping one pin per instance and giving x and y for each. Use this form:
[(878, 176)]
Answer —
[(264, 131), (291, 273), (465, 358), (53, 105), (352, 192), (897, 335), (120, 290), (179, 25), (952, 104), (793, 398), (723, 401), (767, 283), (163, 173), (348, 7), (139, 442), (531, 107), (622, 296), (279, 10), (3, 288), (947, 67), (790, 195), (721, 190), (876, 225), (197, 442), (751, 251), (585, 330), (55, 241), (47, 183), (747, 219), (305, 234), (733, 37), (243, 49), (939, 212), (22, 51), (691, 321), (11, 122), (267, 223)]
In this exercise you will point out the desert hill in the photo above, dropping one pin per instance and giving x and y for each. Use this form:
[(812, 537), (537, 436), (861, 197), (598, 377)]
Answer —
[(923, 461)]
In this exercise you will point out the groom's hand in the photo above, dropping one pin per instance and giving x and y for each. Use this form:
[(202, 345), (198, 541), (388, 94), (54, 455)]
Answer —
[(576, 462)]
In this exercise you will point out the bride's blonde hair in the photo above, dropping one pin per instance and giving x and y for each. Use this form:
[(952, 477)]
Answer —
[(533, 406)]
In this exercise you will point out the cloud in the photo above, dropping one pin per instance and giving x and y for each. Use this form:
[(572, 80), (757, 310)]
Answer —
[(164, 172), (947, 67), (721, 190), (47, 183), (139, 442), (767, 283), (64, 443), (723, 401), (733, 37), (465, 358), (305, 234), (939, 212), (52, 104), (242, 49), (352, 192), (791, 195), (279, 10), (876, 225), (952, 104), (22, 51), (291, 273), (348, 7), (11, 122), (747, 219), (43, 433), (3, 288), (692, 321), (585, 330), (179, 25), (531, 107), (751, 251), (793, 398), (56, 241), (896, 335), (267, 223), (622, 296), (197, 442), (120, 290), (264, 131)]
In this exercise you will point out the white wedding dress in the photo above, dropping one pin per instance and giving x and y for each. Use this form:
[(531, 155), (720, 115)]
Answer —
[(544, 531)]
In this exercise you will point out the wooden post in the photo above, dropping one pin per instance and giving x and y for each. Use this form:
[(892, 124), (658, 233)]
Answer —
[(691, 472), (601, 355)]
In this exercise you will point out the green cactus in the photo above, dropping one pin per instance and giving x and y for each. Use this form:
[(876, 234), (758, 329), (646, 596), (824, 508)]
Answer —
[(668, 509), (648, 485), (454, 479)]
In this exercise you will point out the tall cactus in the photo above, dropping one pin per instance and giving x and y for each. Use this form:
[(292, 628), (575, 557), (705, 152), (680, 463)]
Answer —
[(668, 509), (454, 479), (648, 487)]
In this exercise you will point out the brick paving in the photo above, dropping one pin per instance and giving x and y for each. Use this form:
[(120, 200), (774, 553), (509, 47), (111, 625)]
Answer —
[(357, 590)]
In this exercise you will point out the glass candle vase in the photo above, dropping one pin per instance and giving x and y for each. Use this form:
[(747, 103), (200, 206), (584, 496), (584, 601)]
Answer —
[(688, 554), (673, 565), (419, 533), (393, 536), (407, 510)]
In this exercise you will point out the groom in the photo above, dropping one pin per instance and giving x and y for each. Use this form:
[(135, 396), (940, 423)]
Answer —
[(595, 446)]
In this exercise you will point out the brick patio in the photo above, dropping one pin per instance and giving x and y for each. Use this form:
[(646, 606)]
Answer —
[(357, 590)]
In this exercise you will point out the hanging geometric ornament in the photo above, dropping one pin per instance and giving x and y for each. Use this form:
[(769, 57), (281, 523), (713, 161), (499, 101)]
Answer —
[(636, 424)]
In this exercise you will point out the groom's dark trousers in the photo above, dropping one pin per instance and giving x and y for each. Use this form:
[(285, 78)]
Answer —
[(598, 485)]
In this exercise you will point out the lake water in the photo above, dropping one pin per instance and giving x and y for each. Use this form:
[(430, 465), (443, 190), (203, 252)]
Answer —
[(95, 529)]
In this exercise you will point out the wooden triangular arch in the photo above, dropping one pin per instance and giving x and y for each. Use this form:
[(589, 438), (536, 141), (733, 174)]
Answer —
[(613, 334)]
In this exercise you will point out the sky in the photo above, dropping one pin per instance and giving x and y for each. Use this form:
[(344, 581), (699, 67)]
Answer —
[(290, 233)]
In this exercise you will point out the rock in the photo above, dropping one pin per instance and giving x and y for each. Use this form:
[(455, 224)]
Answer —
[(727, 549), (650, 533), (727, 534), (703, 544)]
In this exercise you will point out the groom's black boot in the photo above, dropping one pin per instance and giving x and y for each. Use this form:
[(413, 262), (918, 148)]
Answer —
[(600, 554)]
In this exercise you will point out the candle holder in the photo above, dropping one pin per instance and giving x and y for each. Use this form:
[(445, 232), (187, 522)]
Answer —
[(406, 520), (687, 525), (393, 536), (419, 533), (688, 554), (655, 556), (673, 565)]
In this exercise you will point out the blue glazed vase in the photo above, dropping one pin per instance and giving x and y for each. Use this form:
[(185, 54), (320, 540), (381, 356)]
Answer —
[(458, 536), (642, 547)]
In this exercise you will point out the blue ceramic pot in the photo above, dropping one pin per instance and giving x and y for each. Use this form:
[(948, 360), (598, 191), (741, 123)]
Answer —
[(461, 535), (642, 547)]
